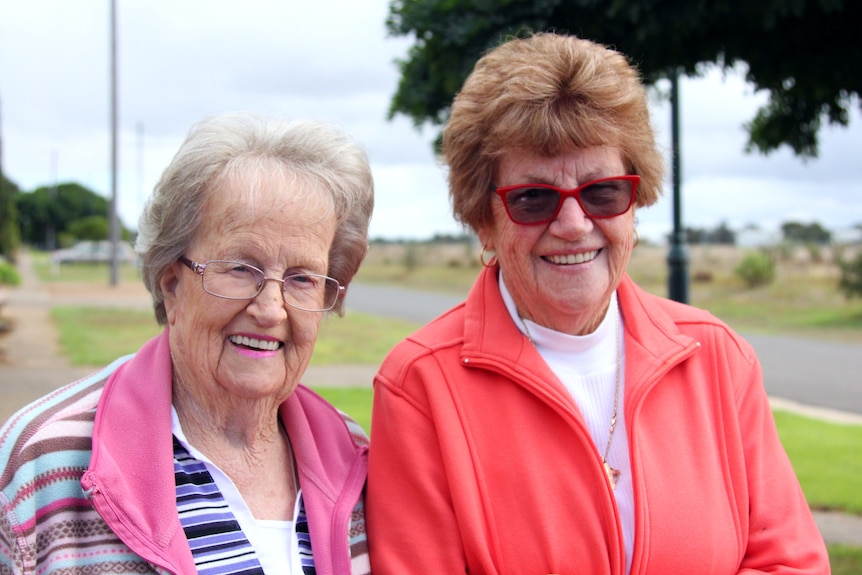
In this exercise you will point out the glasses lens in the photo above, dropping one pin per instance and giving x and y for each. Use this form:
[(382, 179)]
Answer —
[(539, 203), (311, 292), (607, 198), (232, 280), (532, 204)]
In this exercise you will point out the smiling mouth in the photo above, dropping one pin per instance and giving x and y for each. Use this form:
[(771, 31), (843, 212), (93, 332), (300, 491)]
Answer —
[(571, 259), (252, 343)]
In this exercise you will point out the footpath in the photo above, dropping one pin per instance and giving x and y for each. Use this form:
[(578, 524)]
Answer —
[(31, 364)]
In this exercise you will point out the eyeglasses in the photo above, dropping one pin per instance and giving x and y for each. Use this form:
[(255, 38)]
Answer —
[(533, 204), (235, 280)]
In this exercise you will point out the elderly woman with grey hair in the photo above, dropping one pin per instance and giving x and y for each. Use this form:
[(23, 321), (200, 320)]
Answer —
[(203, 453)]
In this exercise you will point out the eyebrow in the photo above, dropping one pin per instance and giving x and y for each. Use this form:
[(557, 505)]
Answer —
[(590, 176)]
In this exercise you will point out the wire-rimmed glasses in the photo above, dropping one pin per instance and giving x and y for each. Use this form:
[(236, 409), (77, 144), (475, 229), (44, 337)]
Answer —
[(237, 280), (533, 204)]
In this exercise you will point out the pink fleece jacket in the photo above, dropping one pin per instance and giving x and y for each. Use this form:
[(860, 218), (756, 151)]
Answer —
[(482, 463), (130, 480)]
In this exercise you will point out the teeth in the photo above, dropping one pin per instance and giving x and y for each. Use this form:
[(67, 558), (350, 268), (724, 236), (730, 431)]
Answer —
[(255, 343), (573, 258)]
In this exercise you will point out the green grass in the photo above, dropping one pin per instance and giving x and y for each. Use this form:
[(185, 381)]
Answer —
[(98, 336), (354, 401), (826, 459), (92, 336), (79, 272), (358, 338), (444, 279), (845, 560)]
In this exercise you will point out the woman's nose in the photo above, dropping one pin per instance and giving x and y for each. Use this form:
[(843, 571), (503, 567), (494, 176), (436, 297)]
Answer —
[(571, 222), (269, 305)]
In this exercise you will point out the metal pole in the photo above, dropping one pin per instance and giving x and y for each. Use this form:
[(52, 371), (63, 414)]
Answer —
[(51, 234), (677, 257), (114, 227)]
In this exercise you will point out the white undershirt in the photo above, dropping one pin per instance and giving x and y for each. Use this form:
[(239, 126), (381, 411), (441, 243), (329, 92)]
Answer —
[(275, 542), (587, 367)]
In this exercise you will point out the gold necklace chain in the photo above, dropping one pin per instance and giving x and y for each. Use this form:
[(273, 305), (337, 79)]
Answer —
[(613, 474)]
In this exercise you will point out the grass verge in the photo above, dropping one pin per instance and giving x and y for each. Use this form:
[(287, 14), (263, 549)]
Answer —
[(79, 272), (98, 336), (845, 560), (826, 459), (358, 338), (354, 401)]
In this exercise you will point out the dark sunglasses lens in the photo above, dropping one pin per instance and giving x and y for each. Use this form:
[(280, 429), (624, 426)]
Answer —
[(608, 198), (529, 205)]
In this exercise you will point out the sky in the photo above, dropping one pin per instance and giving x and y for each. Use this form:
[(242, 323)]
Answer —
[(332, 60)]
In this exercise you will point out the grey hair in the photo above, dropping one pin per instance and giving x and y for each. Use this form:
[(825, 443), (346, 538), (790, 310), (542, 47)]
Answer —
[(222, 145)]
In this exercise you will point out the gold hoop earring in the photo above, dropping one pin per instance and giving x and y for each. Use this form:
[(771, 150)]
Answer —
[(637, 239), (493, 259)]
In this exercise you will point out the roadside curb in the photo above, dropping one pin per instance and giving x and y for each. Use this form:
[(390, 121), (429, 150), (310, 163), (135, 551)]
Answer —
[(822, 413)]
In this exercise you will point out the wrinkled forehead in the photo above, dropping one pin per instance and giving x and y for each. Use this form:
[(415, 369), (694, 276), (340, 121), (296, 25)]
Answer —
[(261, 187)]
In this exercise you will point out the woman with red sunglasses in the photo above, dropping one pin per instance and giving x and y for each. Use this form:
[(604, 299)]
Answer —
[(562, 420)]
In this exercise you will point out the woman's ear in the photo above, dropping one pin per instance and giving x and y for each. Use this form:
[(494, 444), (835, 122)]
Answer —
[(169, 282), (485, 241)]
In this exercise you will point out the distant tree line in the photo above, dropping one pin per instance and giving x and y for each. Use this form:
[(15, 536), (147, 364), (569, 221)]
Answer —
[(806, 233), (51, 217), (721, 234), (435, 239), (791, 232)]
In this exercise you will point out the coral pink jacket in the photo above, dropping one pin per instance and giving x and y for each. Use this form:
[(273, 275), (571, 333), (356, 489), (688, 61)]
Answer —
[(482, 463)]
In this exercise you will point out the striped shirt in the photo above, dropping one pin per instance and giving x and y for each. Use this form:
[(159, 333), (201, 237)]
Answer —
[(217, 541)]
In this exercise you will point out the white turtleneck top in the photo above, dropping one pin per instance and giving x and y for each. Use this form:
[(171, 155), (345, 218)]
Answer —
[(587, 366)]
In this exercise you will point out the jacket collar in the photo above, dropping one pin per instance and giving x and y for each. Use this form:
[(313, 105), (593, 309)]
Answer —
[(131, 465), (131, 473), (653, 340)]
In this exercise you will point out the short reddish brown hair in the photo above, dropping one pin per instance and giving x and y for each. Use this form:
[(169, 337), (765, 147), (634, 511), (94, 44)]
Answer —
[(547, 93)]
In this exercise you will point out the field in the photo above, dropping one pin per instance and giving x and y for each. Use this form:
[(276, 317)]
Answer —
[(803, 300)]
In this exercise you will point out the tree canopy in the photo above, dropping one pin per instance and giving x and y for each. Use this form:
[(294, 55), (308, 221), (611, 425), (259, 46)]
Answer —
[(9, 236), (805, 233), (805, 53), (49, 210)]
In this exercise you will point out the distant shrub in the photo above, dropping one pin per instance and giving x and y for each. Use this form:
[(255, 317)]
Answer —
[(9, 275), (815, 252), (756, 269), (702, 276), (411, 258), (93, 228), (851, 276)]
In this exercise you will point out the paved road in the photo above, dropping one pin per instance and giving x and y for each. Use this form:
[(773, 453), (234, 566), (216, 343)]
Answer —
[(825, 375), (399, 303)]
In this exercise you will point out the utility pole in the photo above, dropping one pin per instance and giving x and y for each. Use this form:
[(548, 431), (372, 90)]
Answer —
[(114, 227), (51, 232), (677, 257)]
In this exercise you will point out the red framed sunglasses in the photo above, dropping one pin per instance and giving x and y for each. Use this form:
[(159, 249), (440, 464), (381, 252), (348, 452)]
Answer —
[(534, 204)]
